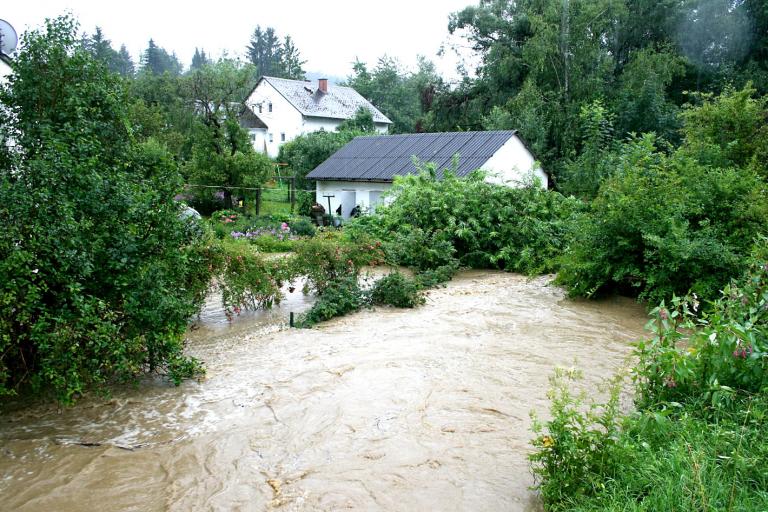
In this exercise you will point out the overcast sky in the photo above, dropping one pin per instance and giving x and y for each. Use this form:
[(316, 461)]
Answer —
[(330, 34)]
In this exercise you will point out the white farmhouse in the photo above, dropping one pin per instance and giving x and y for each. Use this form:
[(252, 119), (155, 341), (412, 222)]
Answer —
[(360, 172), (5, 68), (282, 109)]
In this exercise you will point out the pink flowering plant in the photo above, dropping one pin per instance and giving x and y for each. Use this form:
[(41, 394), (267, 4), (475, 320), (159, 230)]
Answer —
[(714, 355)]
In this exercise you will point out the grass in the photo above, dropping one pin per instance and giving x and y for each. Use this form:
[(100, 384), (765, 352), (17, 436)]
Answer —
[(689, 463), (274, 200)]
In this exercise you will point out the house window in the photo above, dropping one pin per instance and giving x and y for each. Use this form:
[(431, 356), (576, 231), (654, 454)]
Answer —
[(270, 137), (270, 106), (282, 137), (260, 106), (253, 136)]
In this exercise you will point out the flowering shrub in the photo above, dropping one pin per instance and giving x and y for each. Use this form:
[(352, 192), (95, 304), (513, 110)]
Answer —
[(713, 357), (328, 257), (246, 280)]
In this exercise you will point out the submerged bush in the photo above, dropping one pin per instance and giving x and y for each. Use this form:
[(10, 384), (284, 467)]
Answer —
[(246, 279), (396, 290), (338, 297)]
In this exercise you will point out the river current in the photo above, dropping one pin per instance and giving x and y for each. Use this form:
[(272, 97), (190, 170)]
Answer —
[(387, 409)]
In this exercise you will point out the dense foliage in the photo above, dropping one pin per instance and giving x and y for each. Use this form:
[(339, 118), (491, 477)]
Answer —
[(98, 273), (542, 62), (306, 152), (669, 221), (696, 439), (433, 221)]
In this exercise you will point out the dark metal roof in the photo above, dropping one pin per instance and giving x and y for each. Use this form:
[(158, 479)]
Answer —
[(381, 157)]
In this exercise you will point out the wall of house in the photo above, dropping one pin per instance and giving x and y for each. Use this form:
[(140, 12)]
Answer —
[(5, 70), (513, 165), (349, 194), (315, 124), (259, 139), (283, 121)]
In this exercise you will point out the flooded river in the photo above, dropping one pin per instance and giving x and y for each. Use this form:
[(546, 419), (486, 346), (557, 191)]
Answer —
[(402, 410)]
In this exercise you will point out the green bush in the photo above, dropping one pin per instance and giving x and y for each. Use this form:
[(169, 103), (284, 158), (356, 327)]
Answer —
[(396, 290), (420, 250), (98, 273), (673, 221), (338, 297), (482, 225), (664, 225), (715, 356), (303, 227), (696, 440)]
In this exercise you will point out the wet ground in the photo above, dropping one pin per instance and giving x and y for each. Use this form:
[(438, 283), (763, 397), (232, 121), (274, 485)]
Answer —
[(424, 409)]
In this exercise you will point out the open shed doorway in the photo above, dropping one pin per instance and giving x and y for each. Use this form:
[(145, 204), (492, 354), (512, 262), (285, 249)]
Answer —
[(348, 199)]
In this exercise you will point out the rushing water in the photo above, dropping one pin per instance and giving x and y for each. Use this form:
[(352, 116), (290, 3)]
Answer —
[(424, 409)]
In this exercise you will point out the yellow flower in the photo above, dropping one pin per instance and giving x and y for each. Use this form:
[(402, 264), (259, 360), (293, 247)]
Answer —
[(547, 441)]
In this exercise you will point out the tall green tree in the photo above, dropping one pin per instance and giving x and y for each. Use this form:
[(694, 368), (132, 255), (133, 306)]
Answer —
[(264, 51), (98, 273), (222, 154), (100, 48), (403, 96), (199, 59), (273, 57), (290, 64), (157, 60), (124, 62)]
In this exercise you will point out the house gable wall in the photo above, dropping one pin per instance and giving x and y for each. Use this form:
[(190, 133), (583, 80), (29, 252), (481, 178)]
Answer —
[(513, 164), (284, 118)]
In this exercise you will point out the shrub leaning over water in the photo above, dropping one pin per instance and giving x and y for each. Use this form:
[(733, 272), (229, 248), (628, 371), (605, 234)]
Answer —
[(98, 273)]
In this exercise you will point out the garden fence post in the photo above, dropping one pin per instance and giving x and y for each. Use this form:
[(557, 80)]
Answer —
[(292, 192)]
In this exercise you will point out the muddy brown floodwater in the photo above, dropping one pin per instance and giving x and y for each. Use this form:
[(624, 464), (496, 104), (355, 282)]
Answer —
[(410, 410)]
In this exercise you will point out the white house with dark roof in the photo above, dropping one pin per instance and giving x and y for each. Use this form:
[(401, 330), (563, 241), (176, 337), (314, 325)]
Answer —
[(284, 109), (5, 68), (360, 172)]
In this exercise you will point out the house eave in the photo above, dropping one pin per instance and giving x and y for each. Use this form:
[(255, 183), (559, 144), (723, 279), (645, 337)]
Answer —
[(352, 180)]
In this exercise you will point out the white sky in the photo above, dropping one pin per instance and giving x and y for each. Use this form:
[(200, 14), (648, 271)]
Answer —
[(330, 34)]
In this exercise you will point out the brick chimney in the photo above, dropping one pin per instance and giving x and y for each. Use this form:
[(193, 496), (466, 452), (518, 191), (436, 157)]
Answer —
[(322, 84)]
